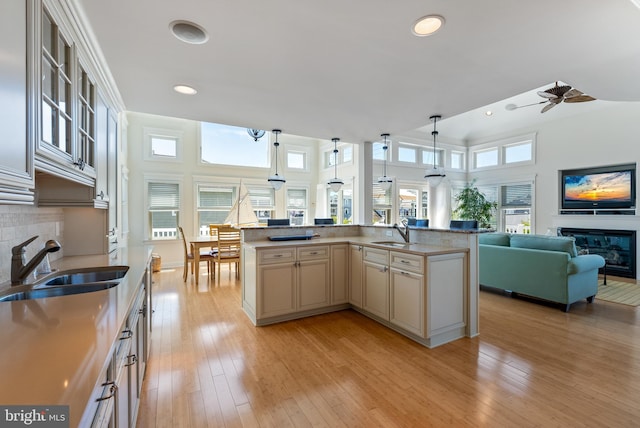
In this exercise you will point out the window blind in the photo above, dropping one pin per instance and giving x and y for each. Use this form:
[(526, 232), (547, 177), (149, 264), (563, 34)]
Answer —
[(516, 195), (164, 196)]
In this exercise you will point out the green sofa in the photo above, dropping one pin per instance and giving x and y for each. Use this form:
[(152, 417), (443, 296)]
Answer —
[(545, 267)]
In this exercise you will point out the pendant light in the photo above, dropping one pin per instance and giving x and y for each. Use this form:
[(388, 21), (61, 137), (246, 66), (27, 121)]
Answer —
[(385, 182), (335, 183), (256, 134), (435, 176), (276, 180)]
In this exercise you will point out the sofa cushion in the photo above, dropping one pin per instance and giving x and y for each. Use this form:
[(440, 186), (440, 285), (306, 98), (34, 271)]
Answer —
[(566, 244), (495, 238)]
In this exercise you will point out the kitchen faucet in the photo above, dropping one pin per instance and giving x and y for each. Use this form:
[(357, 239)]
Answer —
[(404, 233), (20, 268)]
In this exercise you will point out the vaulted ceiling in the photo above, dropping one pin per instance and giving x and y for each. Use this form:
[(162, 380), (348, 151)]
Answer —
[(354, 69)]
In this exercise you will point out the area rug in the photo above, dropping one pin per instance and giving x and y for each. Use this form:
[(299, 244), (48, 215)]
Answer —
[(619, 292)]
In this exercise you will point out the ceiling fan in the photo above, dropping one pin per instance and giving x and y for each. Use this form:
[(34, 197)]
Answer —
[(555, 95)]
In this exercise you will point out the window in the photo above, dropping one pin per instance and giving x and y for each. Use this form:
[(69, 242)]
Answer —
[(519, 152), (297, 206), (457, 160), (486, 158), (214, 204), (408, 206), (162, 144), (341, 206), (231, 145), (378, 152), (427, 157), (347, 153), (86, 118), (515, 205), (425, 204), (164, 147), (381, 205), (163, 205), (263, 203), (406, 154), (56, 86), (296, 160)]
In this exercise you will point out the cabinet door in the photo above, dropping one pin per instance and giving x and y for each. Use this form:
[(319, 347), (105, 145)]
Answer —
[(102, 125), (112, 179), (407, 300), (355, 276), (446, 297), (17, 75), (339, 274), (276, 289), (313, 284), (376, 289)]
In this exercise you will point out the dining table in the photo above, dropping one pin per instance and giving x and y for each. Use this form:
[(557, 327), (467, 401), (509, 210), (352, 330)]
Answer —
[(197, 243)]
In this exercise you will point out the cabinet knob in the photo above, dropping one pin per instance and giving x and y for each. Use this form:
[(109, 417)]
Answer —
[(101, 194)]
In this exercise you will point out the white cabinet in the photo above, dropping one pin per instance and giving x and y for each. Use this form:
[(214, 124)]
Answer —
[(117, 396), (376, 282), (339, 274), (407, 292), (355, 275), (18, 84), (446, 296), (313, 282), (276, 289)]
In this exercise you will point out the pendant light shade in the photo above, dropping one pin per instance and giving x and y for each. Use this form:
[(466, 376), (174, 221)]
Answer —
[(435, 175), (335, 183), (385, 182), (256, 134), (276, 180)]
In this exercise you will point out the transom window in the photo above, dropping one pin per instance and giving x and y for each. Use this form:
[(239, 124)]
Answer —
[(231, 145)]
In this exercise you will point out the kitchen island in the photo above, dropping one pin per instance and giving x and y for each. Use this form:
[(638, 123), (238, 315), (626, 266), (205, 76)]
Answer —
[(426, 292), (59, 350)]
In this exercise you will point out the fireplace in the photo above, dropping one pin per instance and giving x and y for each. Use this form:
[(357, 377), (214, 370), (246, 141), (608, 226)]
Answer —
[(618, 247)]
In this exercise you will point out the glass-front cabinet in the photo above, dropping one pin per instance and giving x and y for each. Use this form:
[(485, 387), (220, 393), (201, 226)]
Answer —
[(66, 146)]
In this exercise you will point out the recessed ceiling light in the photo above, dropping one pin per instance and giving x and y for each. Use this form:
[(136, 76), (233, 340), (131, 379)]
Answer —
[(184, 89), (189, 32), (488, 112), (427, 25)]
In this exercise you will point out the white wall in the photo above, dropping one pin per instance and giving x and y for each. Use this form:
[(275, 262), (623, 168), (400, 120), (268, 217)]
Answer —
[(605, 137), (190, 169)]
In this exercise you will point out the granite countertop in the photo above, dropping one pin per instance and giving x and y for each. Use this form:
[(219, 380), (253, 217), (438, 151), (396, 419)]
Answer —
[(414, 248), (55, 349)]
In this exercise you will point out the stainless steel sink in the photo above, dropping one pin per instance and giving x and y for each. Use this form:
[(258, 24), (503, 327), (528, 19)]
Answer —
[(84, 276), (29, 292), (390, 243)]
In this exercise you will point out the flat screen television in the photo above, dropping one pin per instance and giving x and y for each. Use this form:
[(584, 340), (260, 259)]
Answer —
[(606, 187)]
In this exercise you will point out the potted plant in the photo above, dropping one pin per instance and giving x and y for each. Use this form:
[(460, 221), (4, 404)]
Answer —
[(472, 204)]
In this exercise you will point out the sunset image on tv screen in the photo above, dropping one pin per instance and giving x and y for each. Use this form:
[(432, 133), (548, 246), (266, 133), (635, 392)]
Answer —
[(609, 186)]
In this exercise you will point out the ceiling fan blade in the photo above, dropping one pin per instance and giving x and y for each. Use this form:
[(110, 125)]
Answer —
[(548, 95), (573, 93), (548, 107), (579, 99)]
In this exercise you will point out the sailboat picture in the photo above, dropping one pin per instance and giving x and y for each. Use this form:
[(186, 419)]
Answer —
[(242, 213)]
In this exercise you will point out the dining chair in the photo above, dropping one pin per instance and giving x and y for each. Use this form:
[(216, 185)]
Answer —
[(228, 248), (205, 256)]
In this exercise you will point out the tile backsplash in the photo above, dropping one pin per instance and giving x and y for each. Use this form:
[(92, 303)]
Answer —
[(19, 223)]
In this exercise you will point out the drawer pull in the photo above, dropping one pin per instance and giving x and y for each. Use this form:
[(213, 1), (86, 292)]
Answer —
[(405, 261), (313, 253)]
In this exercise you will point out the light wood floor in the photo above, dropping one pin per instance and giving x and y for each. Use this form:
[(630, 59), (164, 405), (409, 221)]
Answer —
[(532, 366)]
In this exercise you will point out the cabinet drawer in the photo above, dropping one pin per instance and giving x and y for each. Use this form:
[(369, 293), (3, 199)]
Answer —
[(277, 255), (376, 255), (313, 253), (408, 262)]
